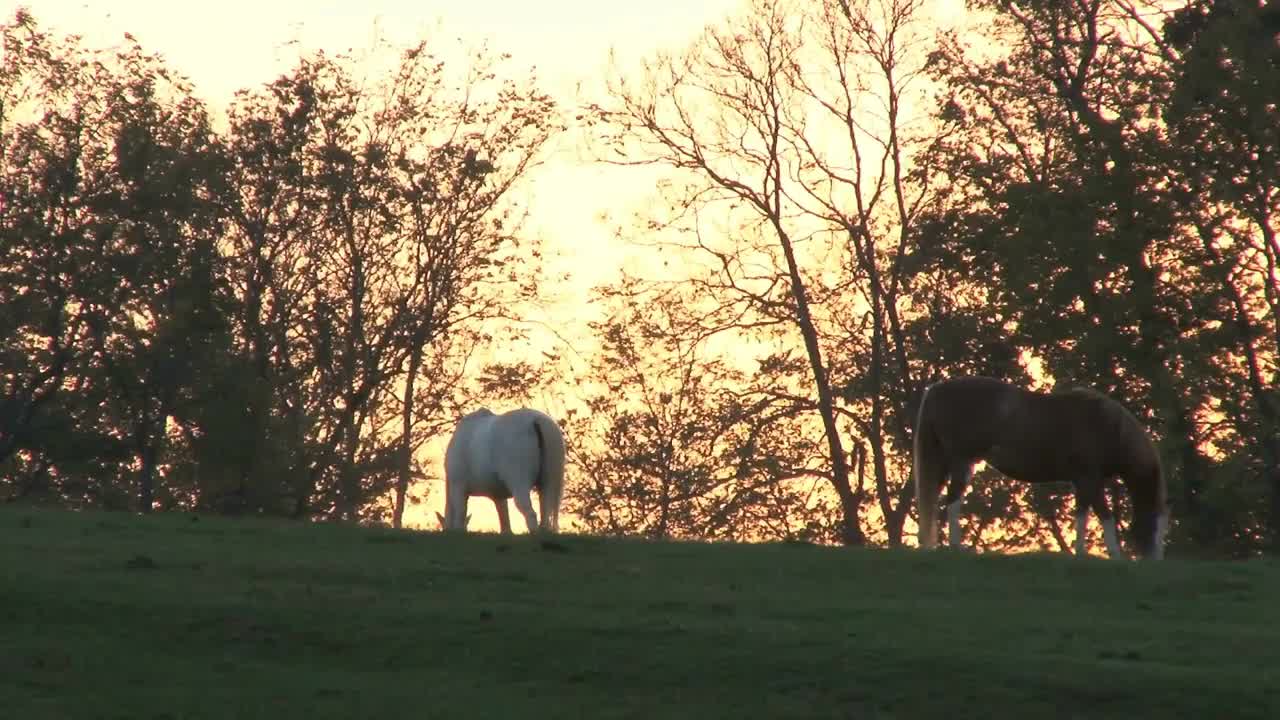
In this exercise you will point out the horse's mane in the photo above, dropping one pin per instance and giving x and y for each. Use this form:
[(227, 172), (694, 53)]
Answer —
[(1125, 422)]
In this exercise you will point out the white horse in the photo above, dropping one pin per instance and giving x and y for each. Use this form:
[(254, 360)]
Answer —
[(505, 456)]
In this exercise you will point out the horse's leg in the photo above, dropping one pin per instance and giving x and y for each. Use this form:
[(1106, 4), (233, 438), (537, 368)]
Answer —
[(1091, 494), (455, 510), (446, 520), (1108, 519), (460, 516), (525, 505), (504, 515), (959, 475), (1082, 522)]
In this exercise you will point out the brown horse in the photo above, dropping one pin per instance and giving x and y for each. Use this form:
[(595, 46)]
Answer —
[(1079, 436)]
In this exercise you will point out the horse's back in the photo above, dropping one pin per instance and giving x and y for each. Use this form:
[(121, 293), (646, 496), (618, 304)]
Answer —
[(1029, 435), (967, 415), (1024, 434)]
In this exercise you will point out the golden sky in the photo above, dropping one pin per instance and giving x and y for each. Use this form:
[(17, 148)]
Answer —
[(233, 44)]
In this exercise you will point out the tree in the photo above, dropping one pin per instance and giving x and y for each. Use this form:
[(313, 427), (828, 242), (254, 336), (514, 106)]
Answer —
[(790, 127), (39, 325), (1072, 186), (370, 223), (1225, 75), (268, 319), (156, 235), (465, 253), (117, 224), (677, 443)]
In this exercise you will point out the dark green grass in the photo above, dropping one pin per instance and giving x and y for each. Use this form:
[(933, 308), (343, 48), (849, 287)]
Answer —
[(115, 616)]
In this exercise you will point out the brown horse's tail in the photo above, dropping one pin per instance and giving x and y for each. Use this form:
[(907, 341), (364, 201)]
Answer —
[(928, 472)]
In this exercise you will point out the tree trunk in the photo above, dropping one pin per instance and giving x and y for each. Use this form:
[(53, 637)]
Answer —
[(850, 529), (406, 437), (1273, 472), (876, 431), (147, 454), (350, 494)]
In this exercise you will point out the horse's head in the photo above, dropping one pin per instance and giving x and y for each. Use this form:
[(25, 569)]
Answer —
[(1162, 529), (1150, 512), (1148, 532), (444, 524), (1144, 478)]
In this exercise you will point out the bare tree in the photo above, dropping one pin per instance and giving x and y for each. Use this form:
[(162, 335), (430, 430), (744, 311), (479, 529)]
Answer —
[(679, 443), (792, 148)]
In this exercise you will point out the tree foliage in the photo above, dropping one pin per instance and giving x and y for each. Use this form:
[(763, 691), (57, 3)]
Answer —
[(265, 318)]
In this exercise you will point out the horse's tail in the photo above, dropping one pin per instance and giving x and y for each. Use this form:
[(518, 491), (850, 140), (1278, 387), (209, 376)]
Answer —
[(928, 474), (550, 478)]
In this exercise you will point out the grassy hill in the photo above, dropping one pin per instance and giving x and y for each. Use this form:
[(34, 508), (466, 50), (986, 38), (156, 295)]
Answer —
[(115, 616)]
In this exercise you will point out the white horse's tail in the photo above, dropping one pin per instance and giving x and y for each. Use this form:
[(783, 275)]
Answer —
[(550, 479), (928, 476)]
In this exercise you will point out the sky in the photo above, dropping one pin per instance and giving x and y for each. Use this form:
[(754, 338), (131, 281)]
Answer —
[(233, 44)]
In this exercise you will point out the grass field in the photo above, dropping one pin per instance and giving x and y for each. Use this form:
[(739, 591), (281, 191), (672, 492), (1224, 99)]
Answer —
[(116, 616)]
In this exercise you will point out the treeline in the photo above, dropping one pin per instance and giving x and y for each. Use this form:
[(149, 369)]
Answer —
[(1082, 193), (272, 315), (266, 313)]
